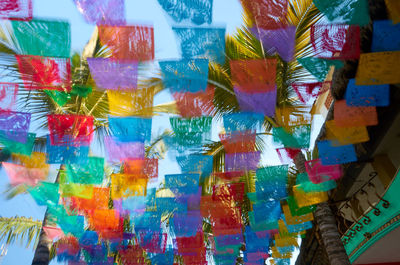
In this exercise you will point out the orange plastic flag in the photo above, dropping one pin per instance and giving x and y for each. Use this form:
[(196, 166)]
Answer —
[(378, 68), (349, 116), (393, 7)]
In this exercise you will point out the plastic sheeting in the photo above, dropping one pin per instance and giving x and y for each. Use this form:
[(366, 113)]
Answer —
[(109, 12)]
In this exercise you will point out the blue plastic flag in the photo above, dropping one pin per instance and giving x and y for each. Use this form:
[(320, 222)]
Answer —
[(333, 155), (243, 121), (373, 95), (201, 164), (386, 36), (190, 11), (206, 43), (182, 183), (186, 75), (130, 129), (66, 154), (269, 211)]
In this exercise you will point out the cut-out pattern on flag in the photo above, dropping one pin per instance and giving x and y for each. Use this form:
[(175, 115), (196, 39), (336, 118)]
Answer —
[(15, 122), (295, 137), (191, 132), (287, 155), (195, 104), (16, 9), (57, 154), (348, 116), (142, 167), (244, 121), (255, 75), (45, 72), (8, 96), (319, 173), (114, 74), (189, 11), (378, 68), (319, 68), (386, 36), (333, 155), (126, 103), (336, 41), (307, 92), (119, 151), (124, 186), (129, 42), (70, 130), (201, 164), (181, 184), (262, 102), (280, 41), (185, 75), (242, 161), (304, 199), (203, 43), (346, 135), (239, 142), (45, 194), (362, 96), (130, 129), (88, 173), (43, 37), (22, 175), (99, 200), (187, 224), (393, 7), (271, 183), (267, 14), (272, 207), (108, 12), (60, 98), (35, 160), (353, 12)]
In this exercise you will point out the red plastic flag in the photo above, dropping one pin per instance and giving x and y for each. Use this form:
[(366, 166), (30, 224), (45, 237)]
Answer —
[(267, 14), (45, 72), (16, 9)]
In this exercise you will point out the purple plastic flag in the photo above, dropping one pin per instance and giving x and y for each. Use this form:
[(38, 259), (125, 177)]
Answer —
[(119, 151), (102, 12), (263, 102), (281, 41), (242, 161), (114, 74), (14, 125)]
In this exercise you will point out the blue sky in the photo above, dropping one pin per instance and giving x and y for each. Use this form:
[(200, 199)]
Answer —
[(226, 12)]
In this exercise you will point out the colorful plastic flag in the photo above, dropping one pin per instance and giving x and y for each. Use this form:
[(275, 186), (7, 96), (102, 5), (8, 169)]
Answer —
[(243, 121), (279, 41), (336, 41), (130, 129), (129, 103), (45, 73), (319, 68), (267, 14), (50, 38), (385, 36), (333, 155), (119, 151), (317, 172), (393, 7), (186, 75), (22, 175), (114, 74), (8, 96), (109, 12), (128, 42), (353, 12), (188, 11), (242, 161), (346, 135), (262, 102), (195, 104), (294, 137), (16, 9), (362, 96), (307, 92), (349, 116), (378, 68), (203, 43)]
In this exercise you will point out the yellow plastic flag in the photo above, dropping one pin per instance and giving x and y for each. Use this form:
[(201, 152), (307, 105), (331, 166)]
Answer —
[(378, 68), (295, 220), (346, 135), (393, 7), (304, 199), (128, 103), (124, 185)]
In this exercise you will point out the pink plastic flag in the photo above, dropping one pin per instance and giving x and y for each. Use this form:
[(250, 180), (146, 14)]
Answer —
[(45, 72), (8, 95), (113, 74), (129, 42), (267, 14), (336, 41), (53, 232), (120, 151), (320, 173), (22, 175), (16, 9), (109, 12)]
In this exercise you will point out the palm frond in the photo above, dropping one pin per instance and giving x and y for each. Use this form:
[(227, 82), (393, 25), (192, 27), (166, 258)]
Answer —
[(11, 192), (20, 229)]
